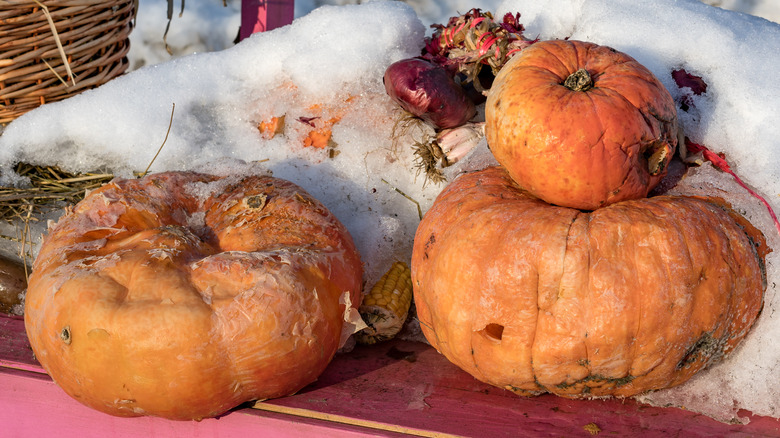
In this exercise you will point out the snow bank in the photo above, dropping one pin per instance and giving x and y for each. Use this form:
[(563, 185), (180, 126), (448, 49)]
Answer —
[(328, 65)]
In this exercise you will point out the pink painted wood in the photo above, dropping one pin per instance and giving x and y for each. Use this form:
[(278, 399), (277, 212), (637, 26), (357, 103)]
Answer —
[(31, 406), (264, 15), (382, 390)]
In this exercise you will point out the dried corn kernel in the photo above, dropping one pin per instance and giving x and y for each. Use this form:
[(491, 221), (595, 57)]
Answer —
[(386, 306)]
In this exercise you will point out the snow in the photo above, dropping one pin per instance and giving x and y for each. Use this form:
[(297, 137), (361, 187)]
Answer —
[(203, 26), (329, 63)]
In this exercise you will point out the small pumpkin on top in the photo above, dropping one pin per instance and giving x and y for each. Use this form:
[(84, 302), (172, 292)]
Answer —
[(580, 125)]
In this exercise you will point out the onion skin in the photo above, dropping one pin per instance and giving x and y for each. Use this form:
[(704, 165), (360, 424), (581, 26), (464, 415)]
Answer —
[(429, 92)]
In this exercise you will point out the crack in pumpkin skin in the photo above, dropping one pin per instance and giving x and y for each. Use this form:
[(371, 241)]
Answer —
[(183, 302), (619, 318)]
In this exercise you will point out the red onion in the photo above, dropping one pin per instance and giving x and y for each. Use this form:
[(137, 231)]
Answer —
[(429, 92)]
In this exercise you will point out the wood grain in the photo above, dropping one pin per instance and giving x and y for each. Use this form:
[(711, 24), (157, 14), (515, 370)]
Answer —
[(397, 388)]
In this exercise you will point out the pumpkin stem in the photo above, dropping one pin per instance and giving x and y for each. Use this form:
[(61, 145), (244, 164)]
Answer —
[(580, 80)]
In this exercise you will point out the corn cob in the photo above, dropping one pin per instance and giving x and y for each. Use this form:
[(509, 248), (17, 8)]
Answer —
[(385, 308)]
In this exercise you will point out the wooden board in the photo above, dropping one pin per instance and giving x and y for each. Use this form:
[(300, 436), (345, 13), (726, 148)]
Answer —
[(264, 15), (392, 389)]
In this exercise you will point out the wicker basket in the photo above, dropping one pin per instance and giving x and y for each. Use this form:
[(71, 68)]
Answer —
[(94, 39)]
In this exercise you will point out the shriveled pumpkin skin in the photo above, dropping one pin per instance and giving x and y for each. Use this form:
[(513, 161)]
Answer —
[(152, 299), (537, 298), (581, 149)]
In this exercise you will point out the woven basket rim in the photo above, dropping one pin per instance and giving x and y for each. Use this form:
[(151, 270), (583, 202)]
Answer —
[(49, 3), (35, 69)]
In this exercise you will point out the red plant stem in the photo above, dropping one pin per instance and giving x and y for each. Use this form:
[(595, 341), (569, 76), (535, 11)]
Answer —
[(449, 38), (484, 46), (720, 163), (475, 22)]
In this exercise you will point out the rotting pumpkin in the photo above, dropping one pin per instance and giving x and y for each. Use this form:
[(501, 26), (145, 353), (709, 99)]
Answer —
[(535, 298), (182, 295), (580, 125)]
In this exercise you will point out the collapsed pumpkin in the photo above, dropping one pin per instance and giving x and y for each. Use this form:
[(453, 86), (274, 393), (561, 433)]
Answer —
[(580, 125), (182, 295), (537, 298)]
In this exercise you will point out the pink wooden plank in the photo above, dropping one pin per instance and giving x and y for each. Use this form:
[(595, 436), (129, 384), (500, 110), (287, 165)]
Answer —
[(414, 386), (15, 351), (264, 15), (31, 407), (396, 386)]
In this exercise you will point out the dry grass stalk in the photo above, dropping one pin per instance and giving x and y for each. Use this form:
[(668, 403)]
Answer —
[(50, 188), (419, 209), (57, 40), (170, 124)]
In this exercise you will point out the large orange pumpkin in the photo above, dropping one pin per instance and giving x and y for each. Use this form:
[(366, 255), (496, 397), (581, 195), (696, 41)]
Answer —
[(182, 295), (537, 298), (580, 125)]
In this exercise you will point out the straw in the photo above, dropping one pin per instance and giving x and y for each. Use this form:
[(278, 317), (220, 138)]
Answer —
[(64, 57), (50, 188)]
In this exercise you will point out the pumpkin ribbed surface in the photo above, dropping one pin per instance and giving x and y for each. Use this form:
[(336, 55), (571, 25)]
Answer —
[(536, 298), (580, 125), (182, 295)]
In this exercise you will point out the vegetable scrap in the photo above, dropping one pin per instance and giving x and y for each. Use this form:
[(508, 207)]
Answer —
[(698, 86), (272, 127), (443, 86), (321, 122), (720, 163), (386, 306), (592, 428), (472, 40), (320, 136), (695, 83)]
